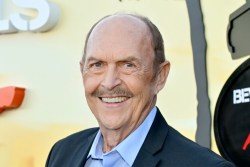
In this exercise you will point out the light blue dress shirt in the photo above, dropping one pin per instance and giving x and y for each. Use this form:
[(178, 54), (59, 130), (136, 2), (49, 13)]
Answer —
[(124, 154)]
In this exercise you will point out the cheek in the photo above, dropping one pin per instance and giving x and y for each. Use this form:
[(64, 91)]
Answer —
[(142, 91), (140, 83), (90, 84)]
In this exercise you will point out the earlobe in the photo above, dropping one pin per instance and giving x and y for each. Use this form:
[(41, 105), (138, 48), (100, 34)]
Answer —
[(162, 75)]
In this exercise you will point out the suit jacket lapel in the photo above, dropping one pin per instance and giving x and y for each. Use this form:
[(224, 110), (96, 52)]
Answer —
[(153, 143), (85, 149)]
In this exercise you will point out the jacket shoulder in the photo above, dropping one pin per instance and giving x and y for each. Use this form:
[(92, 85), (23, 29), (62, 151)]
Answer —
[(165, 146), (191, 153), (71, 150)]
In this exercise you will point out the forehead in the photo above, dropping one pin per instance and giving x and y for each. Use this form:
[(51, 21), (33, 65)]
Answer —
[(119, 35)]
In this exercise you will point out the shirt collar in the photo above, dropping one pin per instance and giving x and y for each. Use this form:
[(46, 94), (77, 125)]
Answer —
[(129, 153), (96, 148), (138, 135)]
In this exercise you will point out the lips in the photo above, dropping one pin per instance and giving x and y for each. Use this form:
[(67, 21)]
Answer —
[(114, 99)]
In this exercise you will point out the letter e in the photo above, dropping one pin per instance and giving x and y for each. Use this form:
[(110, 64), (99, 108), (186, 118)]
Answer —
[(245, 94)]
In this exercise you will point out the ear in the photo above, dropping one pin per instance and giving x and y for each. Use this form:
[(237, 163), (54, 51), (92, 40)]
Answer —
[(162, 76)]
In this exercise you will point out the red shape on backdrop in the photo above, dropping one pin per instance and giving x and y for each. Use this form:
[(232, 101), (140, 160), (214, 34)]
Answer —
[(11, 97), (247, 142)]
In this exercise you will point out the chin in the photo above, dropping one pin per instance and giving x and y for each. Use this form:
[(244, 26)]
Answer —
[(111, 126)]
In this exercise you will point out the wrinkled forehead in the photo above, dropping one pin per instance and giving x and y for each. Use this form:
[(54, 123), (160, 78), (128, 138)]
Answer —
[(119, 28), (121, 22)]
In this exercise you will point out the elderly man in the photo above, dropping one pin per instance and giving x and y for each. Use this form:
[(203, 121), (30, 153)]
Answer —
[(123, 69)]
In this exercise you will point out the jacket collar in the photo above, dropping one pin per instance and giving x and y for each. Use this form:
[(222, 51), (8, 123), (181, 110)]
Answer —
[(153, 143), (86, 147)]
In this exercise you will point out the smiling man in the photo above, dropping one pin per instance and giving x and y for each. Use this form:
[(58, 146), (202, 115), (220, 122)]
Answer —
[(123, 69)]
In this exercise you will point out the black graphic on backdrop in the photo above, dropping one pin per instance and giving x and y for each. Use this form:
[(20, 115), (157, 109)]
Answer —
[(239, 32), (232, 117), (232, 112)]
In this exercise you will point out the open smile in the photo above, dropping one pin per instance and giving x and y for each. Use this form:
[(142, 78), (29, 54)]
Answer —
[(119, 99)]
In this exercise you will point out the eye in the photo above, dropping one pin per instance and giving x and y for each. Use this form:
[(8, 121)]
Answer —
[(128, 65), (97, 65)]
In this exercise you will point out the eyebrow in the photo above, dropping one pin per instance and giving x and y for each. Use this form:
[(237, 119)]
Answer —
[(92, 59), (129, 58)]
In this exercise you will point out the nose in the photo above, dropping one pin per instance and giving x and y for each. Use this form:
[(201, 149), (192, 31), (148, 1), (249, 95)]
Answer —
[(111, 78)]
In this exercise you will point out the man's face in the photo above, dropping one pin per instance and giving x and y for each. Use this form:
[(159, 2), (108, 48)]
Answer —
[(118, 73)]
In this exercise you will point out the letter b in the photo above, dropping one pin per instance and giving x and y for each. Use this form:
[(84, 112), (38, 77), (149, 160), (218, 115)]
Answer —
[(237, 96)]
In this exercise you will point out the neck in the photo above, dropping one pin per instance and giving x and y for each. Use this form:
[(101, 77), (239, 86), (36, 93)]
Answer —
[(113, 137)]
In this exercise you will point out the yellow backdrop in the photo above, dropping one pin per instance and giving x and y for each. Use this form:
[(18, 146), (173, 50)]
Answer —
[(47, 65)]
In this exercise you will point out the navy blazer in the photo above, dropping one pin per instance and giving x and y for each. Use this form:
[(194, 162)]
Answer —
[(163, 147)]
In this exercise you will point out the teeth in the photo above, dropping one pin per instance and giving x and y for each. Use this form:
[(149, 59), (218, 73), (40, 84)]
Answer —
[(113, 99)]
